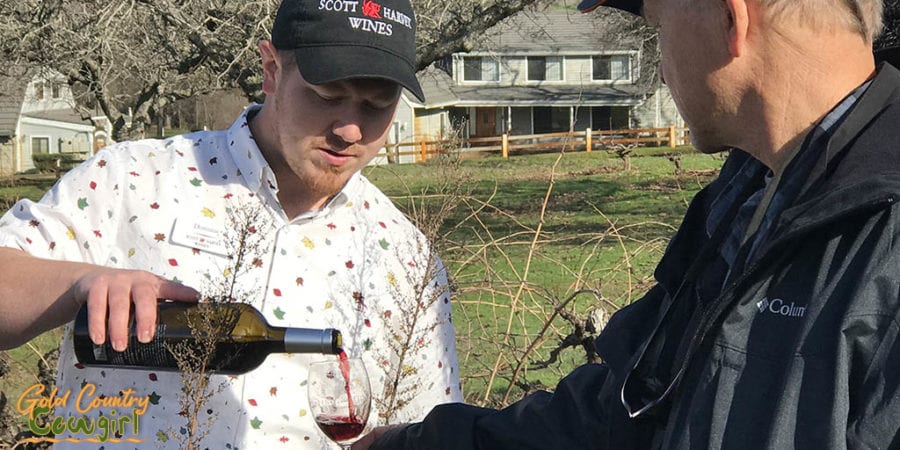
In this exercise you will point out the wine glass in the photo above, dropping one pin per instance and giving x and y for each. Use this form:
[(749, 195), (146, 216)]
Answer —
[(339, 398)]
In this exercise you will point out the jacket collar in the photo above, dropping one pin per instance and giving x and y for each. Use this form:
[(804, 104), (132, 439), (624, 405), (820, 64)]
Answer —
[(694, 234), (844, 180), (840, 180)]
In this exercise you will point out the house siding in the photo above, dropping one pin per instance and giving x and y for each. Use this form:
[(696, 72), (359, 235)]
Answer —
[(40, 106), (61, 139), (657, 111), (47, 102), (7, 155), (402, 131), (577, 69)]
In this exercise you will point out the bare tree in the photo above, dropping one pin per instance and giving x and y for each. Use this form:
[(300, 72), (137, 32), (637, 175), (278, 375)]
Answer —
[(141, 55), (138, 55), (244, 240), (449, 27), (891, 34)]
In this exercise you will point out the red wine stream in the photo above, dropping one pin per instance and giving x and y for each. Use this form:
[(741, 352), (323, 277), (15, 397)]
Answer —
[(343, 428), (345, 371)]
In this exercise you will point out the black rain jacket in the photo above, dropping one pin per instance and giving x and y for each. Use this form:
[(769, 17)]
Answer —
[(799, 350)]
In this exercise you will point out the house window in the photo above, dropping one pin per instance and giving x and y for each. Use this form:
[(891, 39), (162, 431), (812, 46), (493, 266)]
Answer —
[(609, 117), (481, 68), (40, 145), (39, 90), (612, 68), (545, 68), (55, 89), (548, 119)]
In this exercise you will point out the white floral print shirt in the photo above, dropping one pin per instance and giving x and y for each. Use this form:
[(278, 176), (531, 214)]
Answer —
[(172, 207)]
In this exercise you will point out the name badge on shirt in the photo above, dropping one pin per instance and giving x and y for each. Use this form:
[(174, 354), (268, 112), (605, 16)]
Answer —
[(202, 234)]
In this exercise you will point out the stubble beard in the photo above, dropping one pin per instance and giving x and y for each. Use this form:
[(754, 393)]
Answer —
[(323, 181)]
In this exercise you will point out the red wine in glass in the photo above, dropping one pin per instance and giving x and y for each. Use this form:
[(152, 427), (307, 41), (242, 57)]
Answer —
[(339, 398), (340, 429)]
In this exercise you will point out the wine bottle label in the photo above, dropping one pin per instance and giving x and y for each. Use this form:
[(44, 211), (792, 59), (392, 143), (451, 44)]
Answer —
[(153, 353), (100, 353)]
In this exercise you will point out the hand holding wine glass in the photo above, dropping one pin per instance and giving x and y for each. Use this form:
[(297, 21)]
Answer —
[(340, 398)]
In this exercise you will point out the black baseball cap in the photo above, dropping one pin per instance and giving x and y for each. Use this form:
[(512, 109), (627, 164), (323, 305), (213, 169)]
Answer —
[(337, 40), (632, 6)]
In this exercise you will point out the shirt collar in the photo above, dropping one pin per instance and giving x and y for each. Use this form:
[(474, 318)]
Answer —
[(256, 173), (342, 198), (251, 165)]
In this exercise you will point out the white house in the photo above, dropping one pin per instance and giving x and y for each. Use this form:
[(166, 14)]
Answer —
[(540, 72), (37, 117)]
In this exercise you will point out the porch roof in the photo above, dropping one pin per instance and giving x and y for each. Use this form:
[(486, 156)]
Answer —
[(522, 96), (441, 92), (68, 115)]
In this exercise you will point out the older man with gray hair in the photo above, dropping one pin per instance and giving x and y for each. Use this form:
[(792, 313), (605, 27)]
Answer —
[(774, 320)]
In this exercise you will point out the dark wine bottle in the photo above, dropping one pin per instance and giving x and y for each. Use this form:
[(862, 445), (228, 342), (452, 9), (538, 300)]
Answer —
[(226, 338)]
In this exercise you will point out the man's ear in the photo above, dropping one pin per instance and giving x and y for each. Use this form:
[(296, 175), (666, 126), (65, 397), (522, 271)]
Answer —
[(270, 65), (738, 26)]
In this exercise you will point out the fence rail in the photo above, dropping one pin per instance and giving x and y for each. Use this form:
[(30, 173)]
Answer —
[(587, 140)]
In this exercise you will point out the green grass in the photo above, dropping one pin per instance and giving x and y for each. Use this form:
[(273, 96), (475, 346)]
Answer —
[(14, 188), (21, 370), (602, 228), (648, 200)]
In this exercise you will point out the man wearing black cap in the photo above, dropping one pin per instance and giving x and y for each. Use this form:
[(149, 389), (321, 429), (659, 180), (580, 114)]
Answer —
[(154, 219), (775, 320)]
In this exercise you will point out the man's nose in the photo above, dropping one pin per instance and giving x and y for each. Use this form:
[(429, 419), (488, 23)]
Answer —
[(348, 129)]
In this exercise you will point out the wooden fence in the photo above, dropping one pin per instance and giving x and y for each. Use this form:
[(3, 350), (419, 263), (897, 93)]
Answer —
[(587, 140)]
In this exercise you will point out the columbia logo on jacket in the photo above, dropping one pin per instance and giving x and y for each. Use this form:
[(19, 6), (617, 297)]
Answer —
[(778, 306)]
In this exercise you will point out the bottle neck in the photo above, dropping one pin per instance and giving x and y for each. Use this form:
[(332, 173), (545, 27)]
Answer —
[(306, 340)]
